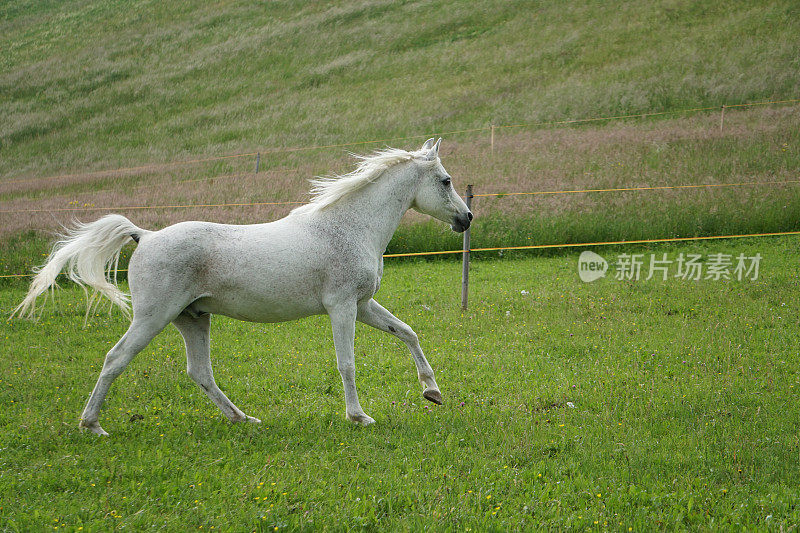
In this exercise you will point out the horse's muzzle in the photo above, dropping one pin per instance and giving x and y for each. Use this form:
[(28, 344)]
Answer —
[(461, 222)]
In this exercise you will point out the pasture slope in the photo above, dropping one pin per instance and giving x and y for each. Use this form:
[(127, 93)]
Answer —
[(685, 413), (88, 86), (99, 84)]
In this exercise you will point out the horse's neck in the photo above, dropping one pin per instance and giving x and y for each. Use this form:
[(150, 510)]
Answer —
[(373, 213)]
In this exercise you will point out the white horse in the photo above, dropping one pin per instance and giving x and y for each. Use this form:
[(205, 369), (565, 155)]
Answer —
[(324, 257)]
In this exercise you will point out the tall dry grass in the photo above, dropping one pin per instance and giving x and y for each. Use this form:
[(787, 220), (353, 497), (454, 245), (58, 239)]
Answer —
[(756, 145)]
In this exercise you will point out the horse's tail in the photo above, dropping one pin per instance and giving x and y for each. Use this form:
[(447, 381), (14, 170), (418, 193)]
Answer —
[(89, 252)]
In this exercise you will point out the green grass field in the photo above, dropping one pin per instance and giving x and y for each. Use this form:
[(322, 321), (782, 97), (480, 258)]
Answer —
[(685, 410)]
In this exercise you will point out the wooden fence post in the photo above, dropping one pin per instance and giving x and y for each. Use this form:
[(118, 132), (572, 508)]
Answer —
[(492, 139), (258, 160), (465, 257), (722, 118)]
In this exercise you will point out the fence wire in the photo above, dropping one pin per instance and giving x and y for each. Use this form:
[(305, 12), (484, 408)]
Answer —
[(488, 194), (547, 246)]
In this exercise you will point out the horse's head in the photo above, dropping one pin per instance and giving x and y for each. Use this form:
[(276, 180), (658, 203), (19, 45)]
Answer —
[(435, 194)]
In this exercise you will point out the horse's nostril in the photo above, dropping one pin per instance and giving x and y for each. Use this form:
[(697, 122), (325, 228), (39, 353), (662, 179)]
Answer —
[(469, 215)]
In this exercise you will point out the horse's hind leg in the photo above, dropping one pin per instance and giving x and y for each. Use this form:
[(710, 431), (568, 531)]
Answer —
[(139, 335), (195, 332)]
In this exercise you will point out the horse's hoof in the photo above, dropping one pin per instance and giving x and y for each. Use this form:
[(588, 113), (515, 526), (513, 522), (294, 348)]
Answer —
[(361, 419), (94, 428), (245, 418), (433, 395)]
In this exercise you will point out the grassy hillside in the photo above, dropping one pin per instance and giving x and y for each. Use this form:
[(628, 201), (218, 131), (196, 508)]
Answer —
[(88, 86), (97, 84)]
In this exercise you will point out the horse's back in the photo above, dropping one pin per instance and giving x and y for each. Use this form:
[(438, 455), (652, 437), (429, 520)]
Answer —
[(261, 272)]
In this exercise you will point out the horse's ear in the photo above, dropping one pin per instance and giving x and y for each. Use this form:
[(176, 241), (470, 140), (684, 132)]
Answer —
[(428, 144), (433, 153)]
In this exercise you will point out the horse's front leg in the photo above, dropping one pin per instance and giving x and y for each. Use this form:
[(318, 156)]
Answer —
[(374, 314), (343, 322)]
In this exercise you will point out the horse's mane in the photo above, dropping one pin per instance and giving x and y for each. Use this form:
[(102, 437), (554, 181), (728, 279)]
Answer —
[(329, 189)]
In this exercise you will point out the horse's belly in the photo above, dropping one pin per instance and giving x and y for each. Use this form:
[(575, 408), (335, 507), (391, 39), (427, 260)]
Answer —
[(260, 308)]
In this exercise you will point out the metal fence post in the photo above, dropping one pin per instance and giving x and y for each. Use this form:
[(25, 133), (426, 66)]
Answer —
[(258, 160), (465, 258)]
